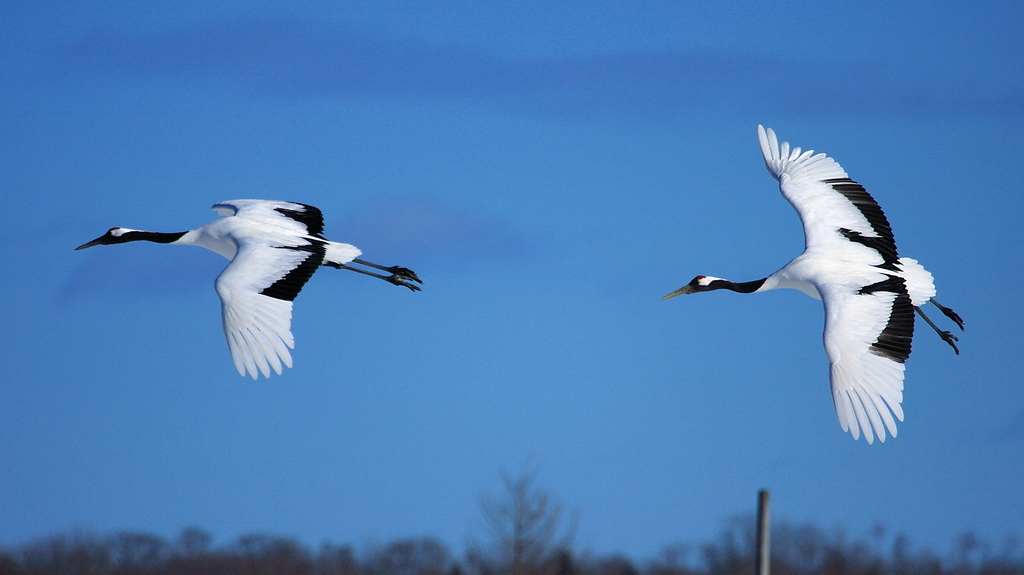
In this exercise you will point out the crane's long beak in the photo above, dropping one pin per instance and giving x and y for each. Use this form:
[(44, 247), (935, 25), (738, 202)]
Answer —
[(685, 289), (95, 242)]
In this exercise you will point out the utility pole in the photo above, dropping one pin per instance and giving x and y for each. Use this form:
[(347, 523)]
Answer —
[(764, 553)]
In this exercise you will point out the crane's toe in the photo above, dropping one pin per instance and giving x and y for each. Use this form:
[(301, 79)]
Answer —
[(950, 339), (404, 273), (949, 313), (402, 276), (401, 281), (953, 316)]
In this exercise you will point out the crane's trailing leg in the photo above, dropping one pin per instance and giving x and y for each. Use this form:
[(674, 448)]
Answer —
[(945, 335), (950, 314), (399, 276), (404, 273)]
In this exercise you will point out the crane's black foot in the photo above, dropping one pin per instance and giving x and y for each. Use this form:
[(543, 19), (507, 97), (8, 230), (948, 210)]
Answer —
[(950, 314), (950, 339), (401, 281), (399, 276), (404, 274)]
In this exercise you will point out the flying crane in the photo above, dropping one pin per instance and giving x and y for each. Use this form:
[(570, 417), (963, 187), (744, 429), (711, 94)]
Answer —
[(274, 248), (850, 263)]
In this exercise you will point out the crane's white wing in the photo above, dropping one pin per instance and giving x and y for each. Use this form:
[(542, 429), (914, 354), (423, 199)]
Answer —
[(256, 291), (295, 218), (867, 338), (837, 213), (289, 217)]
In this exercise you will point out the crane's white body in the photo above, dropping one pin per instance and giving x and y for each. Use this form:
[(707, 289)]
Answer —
[(850, 263), (258, 327), (274, 248), (257, 223), (867, 388)]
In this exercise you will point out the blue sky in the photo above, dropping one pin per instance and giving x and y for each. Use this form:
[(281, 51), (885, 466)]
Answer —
[(550, 170)]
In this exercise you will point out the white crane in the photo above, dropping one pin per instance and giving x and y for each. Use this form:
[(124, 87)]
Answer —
[(274, 248), (849, 262)]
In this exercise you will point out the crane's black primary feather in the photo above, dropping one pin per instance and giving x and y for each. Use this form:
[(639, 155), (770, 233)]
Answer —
[(308, 216), (288, 287), (895, 339), (880, 245), (885, 243)]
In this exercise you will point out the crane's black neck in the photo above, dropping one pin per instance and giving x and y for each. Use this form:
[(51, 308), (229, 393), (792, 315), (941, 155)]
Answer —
[(157, 237), (741, 287)]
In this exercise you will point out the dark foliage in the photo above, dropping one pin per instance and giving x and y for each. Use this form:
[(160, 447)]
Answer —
[(796, 550)]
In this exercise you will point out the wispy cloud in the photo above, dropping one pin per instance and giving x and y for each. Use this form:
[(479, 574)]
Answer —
[(301, 58), (420, 227)]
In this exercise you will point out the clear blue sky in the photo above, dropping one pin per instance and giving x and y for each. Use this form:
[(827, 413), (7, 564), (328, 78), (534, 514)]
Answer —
[(551, 169)]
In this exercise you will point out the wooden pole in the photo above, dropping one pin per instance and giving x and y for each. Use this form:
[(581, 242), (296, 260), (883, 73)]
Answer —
[(761, 562)]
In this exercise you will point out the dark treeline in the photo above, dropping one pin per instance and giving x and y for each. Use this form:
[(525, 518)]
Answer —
[(525, 534), (796, 550)]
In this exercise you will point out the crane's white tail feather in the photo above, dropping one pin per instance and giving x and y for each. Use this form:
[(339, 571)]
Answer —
[(339, 253), (920, 283), (795, 164)]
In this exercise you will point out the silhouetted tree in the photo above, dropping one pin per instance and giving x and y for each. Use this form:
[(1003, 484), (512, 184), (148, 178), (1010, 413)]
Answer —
[(733, 553), (336, 560), (79, 553), (672, 560), (610, 565), (193, 541), (411, 557), (264, 554), (9, 564), (796, 550), (525, 531), (136, 552)]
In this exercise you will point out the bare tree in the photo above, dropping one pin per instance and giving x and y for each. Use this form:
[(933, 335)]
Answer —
[(673, 559), (193, 541), (424, 556), (81, 552), (336, 560), (258, 553), (524, 525), (133, 552)]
